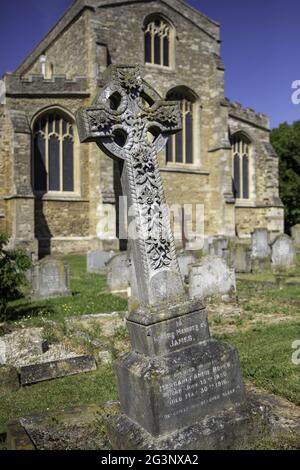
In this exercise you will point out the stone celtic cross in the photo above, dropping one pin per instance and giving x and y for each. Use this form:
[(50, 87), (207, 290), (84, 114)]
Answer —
[(129, 122)]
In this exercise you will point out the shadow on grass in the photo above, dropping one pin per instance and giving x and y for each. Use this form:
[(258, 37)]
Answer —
[(19, 311)]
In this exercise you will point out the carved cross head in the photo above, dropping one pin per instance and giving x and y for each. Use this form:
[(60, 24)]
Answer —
[(128, 114)]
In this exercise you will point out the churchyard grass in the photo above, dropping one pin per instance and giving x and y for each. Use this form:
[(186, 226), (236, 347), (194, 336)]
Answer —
[(267, 276), (266, 357), (90, 388), (263, 331), (88, 296)]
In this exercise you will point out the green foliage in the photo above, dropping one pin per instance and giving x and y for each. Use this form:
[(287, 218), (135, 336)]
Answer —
[(286, 141), (13, 264)]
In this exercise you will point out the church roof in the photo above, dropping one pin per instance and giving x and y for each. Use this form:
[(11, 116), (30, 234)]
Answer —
[(200, 20)]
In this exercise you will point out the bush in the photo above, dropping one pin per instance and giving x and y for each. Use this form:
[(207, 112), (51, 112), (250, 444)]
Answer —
[(13, 264), (286, 141)]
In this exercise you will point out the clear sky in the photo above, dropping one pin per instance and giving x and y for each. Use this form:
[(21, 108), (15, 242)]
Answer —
[(260, 46)]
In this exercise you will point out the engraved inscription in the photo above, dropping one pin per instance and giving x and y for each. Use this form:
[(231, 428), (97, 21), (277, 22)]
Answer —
[(196, 387), (182, 335)]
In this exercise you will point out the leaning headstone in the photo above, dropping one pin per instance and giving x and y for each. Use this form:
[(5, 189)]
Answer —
[(175, 376), (223, 248), (50, 278), (242, 258), (296, 234), (211, 277), (218, 246), (118, 274), (96, 261), (283, 253)]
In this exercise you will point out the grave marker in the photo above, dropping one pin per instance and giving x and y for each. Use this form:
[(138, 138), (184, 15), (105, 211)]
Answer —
[(175, 374)]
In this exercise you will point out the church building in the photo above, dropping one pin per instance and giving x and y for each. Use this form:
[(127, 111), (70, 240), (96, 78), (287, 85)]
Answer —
[(53, 189)]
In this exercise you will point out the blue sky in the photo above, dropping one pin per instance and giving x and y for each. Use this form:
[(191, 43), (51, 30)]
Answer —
[(260, 46)]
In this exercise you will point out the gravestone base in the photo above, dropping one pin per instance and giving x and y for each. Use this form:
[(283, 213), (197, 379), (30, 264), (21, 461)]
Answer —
[(176, 374), (230, 429)]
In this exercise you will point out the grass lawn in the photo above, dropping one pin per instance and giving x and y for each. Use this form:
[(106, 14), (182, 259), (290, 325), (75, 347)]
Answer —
[(266, 357), (265, 348), (269, 277), (95, 387), (89, 296)]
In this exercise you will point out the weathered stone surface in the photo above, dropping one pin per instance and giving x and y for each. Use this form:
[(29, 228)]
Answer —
[(107, 322), (118, 274), (242, 258), (226, 430), (104, 357), (9, 380), (176, 390), (80, 428), (175, 374), (283, 253), (219, 247), (296, 234), (50, 278), (139, 110), (97, 261), (212, 277), (104, 427), (20, 346), (3, 356), (188, 328), (260, 244), (56, 369), (185, 262), (17, 438)]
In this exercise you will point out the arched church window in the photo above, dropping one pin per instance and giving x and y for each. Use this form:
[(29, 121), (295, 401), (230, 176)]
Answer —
[(180, 147), (53, 153), (241, 160), (158, 39)]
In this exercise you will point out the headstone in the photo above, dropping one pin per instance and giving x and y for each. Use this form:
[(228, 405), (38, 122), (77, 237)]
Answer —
[(218, 246), (118, 274), (296, 234), (242, 258), (260, 244), (96, 261), (223, 248), (35, 373), (212, 277), (175, 374), (283, 253), (185, 262), (50, 278)]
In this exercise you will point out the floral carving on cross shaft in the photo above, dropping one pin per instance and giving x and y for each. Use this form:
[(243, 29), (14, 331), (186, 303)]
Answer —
[(134, 115)]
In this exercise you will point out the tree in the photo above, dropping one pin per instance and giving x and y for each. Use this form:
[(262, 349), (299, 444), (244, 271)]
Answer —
[(13, 265), (286, 141)]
